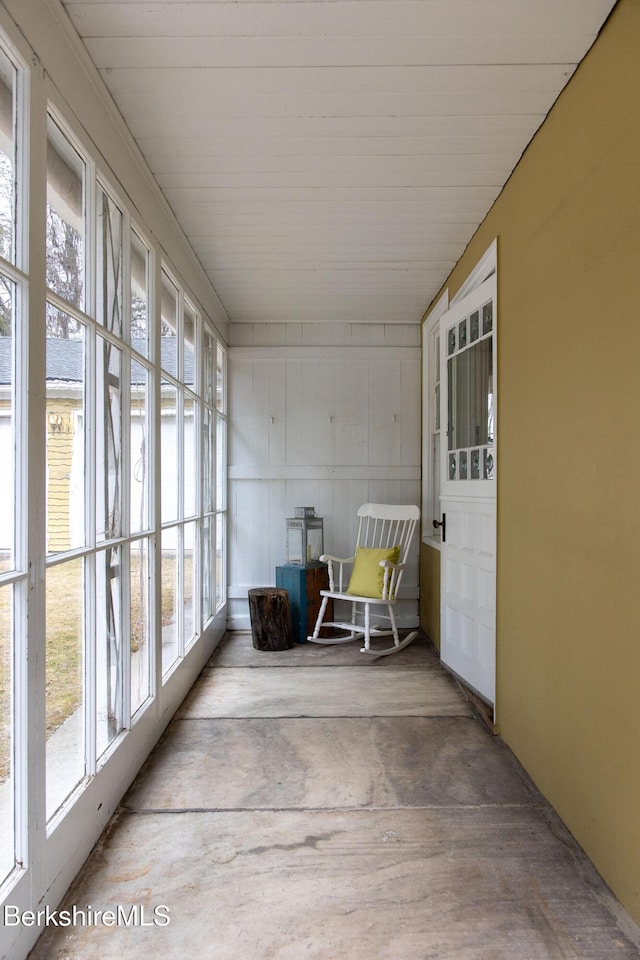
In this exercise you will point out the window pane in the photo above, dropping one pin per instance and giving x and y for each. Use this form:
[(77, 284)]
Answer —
[(169, 452), (209, 368), (169, 326), (169, 544), (190, 376), (139, 440), (109, 665), (207, 461), (65, 241), (108, 439), (64, 681), (470, 375), (109, 259), (220, 554), (7, 158), (65, 433), (220, 379), (7, 847), (7, 424), (139, 295), (190, 472), (191, 617), (140, 625), (207, 570), (221, 463)]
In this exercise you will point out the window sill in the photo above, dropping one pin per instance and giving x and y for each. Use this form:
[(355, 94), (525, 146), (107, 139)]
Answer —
[(434, 542)]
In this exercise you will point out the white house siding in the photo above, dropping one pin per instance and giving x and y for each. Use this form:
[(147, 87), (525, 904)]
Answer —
[(324, 416)]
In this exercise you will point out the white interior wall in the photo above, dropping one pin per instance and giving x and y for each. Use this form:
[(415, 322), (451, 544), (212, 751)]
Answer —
[(322, 415)]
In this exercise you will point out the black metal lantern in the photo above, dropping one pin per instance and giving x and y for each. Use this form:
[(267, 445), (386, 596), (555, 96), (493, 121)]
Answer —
[(305, 537)]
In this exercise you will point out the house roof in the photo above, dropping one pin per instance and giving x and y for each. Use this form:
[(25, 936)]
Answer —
[(65, 360)]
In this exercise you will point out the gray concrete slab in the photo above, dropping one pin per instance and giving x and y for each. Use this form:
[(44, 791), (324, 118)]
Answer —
[(443, 884), (236, 650), (382, 823), (329, 692), (318, 763)]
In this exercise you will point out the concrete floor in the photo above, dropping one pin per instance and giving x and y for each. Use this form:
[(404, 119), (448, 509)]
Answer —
[(307, 804)]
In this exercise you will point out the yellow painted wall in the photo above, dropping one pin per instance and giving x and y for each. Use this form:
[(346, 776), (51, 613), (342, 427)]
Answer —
[(568, 604), (430, 593)]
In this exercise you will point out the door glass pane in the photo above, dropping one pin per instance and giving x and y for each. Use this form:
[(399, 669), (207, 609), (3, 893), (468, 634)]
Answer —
[(65, 432), (65, 749), (65, 240), (7, 847), (169, 326), (7, 158), (436, 402), (190, 472), (7, 424), (109, 258), (140, 625), (139, 440), (108, 439), (190, 590), (109, 656), (170, 546), (470, 396), (139, 295), (169, 451)]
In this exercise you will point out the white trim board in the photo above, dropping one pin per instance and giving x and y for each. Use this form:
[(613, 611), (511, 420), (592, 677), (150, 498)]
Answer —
[(320, 472), (348, 354)]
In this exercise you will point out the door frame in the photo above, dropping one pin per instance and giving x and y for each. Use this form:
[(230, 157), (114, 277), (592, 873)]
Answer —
[(485, 268)]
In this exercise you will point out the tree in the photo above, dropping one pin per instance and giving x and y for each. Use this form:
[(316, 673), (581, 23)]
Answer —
[(65, 272), (6, 242)]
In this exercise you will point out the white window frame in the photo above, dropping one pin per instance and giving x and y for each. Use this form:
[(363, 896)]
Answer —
[(49, 853), (430, 509)]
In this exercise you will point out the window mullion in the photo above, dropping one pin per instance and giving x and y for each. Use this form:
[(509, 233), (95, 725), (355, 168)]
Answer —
[(90, 694), (155, 488), (90, 623), (31, 715), (125, 581)]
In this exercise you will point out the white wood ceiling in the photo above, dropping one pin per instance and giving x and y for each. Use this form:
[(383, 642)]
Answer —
[(329, 160)]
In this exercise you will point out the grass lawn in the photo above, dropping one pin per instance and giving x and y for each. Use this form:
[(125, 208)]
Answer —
[(64, 661)]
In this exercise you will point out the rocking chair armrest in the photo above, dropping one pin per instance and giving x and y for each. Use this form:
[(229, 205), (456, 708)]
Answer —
[(326, 557), (392, 565), (329, 560), (391, 572)]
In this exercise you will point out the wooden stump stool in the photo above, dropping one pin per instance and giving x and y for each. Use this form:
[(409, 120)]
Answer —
[(270, 618)]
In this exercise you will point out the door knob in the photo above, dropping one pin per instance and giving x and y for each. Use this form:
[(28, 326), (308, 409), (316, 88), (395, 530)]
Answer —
[(443, 524)]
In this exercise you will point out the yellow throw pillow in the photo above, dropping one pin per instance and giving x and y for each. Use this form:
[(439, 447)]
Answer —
[(367, 576)]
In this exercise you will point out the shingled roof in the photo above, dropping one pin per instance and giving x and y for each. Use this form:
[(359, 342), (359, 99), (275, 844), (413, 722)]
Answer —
[(65, 360)]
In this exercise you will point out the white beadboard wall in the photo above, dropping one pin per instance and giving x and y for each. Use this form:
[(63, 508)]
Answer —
[(322, 415)]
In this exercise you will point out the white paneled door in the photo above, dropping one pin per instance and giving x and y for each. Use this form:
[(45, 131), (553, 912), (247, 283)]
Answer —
[(468, 488)]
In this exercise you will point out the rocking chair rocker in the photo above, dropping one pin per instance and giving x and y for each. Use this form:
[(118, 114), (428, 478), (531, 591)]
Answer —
[(382, 546)]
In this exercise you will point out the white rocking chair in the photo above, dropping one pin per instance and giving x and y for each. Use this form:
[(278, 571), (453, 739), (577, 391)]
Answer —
[(384, 537)]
